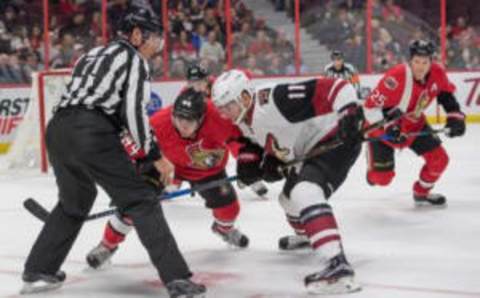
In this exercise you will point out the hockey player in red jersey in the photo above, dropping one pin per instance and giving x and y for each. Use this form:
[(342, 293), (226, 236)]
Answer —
[(410, 88), (193, 137), (200, 80), (287, 121)]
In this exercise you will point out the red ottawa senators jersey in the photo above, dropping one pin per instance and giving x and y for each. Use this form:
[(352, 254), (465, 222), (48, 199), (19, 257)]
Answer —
[(398, 89), (204, 155)]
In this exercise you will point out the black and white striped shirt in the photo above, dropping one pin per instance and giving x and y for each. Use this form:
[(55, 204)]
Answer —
[(116, 80)]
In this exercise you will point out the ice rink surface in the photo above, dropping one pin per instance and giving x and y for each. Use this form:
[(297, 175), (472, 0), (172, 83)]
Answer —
[(396, 249)]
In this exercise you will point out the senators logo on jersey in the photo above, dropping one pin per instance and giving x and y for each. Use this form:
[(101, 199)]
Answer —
[(422, 104), (202, 158)]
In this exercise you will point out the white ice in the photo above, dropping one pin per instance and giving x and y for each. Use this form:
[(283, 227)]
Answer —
[(396, 250)]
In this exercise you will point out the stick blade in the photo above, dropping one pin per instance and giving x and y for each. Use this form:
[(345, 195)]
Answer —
[(36, 209)]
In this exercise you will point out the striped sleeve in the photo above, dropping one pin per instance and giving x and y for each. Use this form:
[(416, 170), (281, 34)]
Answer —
[(137, 95)]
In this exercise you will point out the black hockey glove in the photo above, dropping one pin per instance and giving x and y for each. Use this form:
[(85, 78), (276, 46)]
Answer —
[(455, 124), (147, 171), (350, 124), (273, 168), (395, 135), (249, 161)]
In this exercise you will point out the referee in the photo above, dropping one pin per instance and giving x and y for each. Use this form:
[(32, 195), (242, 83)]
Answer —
[(108, 92)]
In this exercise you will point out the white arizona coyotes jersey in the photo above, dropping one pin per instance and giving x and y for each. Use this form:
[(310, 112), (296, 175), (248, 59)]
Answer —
[(293, 117)]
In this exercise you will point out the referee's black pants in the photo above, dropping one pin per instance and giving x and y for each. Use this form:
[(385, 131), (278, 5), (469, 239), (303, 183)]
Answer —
[(84, 150)]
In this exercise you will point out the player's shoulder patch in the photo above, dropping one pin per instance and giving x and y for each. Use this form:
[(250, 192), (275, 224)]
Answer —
[(390, 82), (263, 95)]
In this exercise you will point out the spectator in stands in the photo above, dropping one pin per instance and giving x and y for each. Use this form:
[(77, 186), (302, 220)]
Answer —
[(196, 12), (276, 67), (10, 71), (64, 57), (36, 37), (459, 27), (244, 35), (96, 24), (391, 11), (212, 51), (210, 19), (283, 48), (10, 18), (199, 36), (78, 28), (253, 67), (31, 63), (183, 48), (239, 53), (180, 23), (157, 67), (261, 48)]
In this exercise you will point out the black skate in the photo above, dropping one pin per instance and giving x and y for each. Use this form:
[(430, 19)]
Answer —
[(293, 242), (337, 278), (185, 288), (433, 199), (259, 188), (39, 282), (233, 237), (100, 255)]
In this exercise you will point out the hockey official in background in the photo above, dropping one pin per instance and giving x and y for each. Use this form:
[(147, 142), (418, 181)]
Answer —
[(338, 68), (108, 93)]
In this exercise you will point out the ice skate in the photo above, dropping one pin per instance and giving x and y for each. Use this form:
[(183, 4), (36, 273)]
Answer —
[(233, 236), (260, 189), (40, 282), (100, 255), (185, 288), (293, 242), (433, 199), (336, 278)]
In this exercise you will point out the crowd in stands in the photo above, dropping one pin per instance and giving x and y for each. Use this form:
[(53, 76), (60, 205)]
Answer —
[(197, 33), (340, 24)]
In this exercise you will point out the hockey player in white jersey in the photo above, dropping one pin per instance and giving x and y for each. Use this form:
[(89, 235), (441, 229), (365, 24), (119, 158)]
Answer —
[(281, 122)]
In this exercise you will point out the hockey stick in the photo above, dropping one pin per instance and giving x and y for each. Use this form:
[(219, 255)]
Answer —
[(37, 210), (319, 150), (411, 134)]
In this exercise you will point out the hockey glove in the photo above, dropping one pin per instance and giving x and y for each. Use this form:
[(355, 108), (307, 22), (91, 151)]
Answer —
[(350, 124), (273, 168), (455, 124), (249, 161), (395, 135), (148, 172)]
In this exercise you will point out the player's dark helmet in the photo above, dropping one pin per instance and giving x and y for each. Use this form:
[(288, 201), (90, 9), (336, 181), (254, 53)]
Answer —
[(336, 55), (190, 105), (142, 17), (420, 47), (196, 72)]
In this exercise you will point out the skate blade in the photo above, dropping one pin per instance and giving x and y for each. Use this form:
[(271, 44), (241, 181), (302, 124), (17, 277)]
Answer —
[(342, 285), (39, 287), (428, 205), (298, 246), (103, 267), (192, 296)]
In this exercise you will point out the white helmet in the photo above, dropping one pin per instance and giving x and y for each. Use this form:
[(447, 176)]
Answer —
[(228, 87)]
